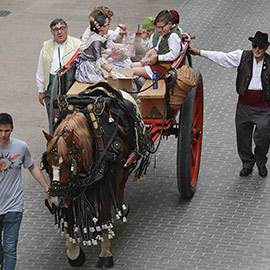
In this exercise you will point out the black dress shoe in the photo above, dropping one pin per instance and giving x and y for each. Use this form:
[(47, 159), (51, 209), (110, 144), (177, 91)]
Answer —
[(245, 172), (262, 171)]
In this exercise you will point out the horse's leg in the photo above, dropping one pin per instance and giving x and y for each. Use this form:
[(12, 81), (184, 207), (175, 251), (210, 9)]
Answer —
[(122, 186), (76, 256), (105, 258)]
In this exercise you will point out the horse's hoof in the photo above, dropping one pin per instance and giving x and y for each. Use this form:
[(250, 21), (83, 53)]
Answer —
[(105, 262), (79, 261)]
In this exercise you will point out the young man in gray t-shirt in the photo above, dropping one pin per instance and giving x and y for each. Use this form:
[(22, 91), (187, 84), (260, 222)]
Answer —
[(13, 155)]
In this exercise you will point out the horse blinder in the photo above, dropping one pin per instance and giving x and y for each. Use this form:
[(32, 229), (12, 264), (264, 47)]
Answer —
[(43, 163)]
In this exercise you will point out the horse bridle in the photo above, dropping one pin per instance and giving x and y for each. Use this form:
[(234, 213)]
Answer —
[(58, 188)]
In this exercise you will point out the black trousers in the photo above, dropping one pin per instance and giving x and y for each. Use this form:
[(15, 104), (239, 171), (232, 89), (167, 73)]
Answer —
[(47, 101), (252, 122)]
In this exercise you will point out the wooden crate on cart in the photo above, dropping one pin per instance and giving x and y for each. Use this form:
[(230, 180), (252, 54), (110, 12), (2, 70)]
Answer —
[(152, 100)]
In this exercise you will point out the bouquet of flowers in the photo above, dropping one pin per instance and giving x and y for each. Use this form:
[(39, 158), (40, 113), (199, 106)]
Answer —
[(129, 39), (119, 51), (122, 51)]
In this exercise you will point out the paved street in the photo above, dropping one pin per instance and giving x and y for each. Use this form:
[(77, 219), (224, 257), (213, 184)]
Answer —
[(227, 223)]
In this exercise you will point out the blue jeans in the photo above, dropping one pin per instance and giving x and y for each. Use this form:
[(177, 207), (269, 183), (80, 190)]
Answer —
[(9, 228)]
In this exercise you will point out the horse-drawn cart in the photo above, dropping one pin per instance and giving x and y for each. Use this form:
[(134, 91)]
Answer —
[(91, 146), (185, 122)]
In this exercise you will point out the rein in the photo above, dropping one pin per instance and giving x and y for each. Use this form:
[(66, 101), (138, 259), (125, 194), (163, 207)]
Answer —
[(85, 181)]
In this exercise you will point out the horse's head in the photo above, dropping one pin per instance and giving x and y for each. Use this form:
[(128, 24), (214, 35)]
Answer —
[(59, 159), (69, 151)]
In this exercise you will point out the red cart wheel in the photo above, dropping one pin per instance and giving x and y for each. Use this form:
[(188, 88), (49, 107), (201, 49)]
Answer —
[(190, 140)]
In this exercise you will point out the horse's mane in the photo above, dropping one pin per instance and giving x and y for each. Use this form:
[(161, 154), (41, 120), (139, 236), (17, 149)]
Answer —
[(77, 123)]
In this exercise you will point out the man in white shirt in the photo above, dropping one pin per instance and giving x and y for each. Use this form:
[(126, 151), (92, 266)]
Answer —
[(61, 45), (253, 108)]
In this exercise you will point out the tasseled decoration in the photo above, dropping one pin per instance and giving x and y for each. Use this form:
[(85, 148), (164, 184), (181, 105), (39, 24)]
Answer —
[(85, 218), (140, 172)]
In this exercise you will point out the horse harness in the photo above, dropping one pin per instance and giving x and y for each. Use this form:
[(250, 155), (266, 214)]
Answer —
[(104, 108)]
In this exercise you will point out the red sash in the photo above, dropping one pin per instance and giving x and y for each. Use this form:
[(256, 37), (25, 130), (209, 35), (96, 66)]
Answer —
[(253, 98)]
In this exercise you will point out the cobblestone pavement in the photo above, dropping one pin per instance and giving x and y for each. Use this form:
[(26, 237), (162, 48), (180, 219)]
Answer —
[(227, 223)]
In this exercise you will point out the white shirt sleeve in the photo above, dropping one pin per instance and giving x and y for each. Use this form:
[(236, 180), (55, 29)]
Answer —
[(227, 60), (174, 43), (39, 74), (115, 34), (147, 44)]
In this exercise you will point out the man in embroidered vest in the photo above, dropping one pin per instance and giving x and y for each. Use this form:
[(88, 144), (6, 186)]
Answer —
[(253, 109), (49, 60)]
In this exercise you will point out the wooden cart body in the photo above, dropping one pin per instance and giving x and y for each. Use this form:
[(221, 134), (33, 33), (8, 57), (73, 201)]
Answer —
[(186, 122)]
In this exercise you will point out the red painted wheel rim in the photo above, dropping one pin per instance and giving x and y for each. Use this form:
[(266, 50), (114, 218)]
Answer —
[(196, 135)]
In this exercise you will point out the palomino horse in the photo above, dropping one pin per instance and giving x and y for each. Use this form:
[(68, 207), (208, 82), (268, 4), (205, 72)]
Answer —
[(86, 185)]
